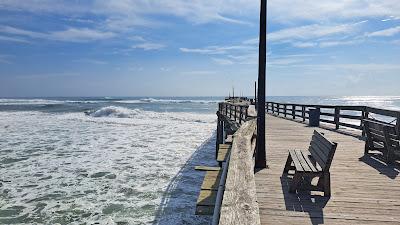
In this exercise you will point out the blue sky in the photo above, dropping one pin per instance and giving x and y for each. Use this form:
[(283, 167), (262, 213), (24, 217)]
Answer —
[(197, 48)]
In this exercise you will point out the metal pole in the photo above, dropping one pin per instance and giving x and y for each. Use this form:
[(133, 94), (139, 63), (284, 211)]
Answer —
[(261, 161)]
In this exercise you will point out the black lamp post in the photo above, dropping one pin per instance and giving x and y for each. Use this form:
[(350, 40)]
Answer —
[(261, 161)]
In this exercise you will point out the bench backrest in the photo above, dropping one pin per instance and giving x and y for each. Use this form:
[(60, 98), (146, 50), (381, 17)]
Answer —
[(381, 132), (322, 150)]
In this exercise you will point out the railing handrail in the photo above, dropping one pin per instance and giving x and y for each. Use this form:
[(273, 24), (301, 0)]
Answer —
[(366, 111), (238, 112)]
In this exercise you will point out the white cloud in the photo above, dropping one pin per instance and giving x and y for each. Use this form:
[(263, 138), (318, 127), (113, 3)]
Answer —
[(68, 35), (148, 46), (371, 68), (222, 61), (80, 35), (120, 14), (287, 11), (199, 72), (13, 39), (286, 60), (216, 50), (209, 51), (245, 58), (304, 44), (5, 59), (385, 33), (325, 44), (91, 61), (310, 32)]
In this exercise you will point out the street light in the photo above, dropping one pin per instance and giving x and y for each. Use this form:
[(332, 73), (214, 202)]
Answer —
[(261, 161)]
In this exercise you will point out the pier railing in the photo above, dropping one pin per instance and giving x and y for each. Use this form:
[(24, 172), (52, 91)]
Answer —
[(340, 116), (235, 111)]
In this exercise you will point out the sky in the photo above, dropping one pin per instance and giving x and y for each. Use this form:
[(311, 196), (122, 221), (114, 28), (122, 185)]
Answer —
[(197, 48)]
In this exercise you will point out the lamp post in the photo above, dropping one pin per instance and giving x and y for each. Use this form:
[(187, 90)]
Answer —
[(261, 161)]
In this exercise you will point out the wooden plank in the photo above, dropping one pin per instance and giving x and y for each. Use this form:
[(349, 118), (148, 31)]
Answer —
[(303, 162), (310, 163), (225, 146), (207, 168), (321, 147), (211, 180), (223, 154), (296, 161), (239, 205), (316, 154), (204, 210), (207, 198), (323, 139)]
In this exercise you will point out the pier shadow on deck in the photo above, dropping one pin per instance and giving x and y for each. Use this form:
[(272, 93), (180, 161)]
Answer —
[(178, 203)]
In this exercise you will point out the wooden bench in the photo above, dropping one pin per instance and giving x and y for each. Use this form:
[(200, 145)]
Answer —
[(382, 137), (312, 163)]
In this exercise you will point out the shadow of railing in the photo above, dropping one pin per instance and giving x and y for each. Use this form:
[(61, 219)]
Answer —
[(178, 203), (304, 201)]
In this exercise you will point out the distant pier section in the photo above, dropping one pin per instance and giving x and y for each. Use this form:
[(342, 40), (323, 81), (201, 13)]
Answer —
[(364, 174)]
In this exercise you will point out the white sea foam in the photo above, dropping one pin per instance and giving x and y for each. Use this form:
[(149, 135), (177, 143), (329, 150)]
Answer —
[(130, 101), (114, 111), (112, 166), (153, 100), (6, 101)]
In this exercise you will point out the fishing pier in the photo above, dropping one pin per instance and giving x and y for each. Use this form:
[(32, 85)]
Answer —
[(363, 181)]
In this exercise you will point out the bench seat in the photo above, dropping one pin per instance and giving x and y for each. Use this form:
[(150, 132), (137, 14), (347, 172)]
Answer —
[(303, 162)]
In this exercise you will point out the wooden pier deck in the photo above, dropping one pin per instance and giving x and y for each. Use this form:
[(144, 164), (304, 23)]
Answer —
[(364, 190)]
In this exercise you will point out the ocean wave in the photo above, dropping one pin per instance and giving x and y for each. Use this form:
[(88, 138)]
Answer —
[(122, 115), (153, 100), (115, 111), (9, 101), (130, 101)]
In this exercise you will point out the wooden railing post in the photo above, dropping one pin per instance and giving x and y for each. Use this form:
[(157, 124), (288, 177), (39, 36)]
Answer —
[(241, 114), (284, 110), (398, 124), (365, 115), (235, 107), (279, 108), (294, 111), (337, 117), (303, 113)]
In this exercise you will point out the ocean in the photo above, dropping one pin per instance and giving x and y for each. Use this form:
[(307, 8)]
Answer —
[(108, 160)]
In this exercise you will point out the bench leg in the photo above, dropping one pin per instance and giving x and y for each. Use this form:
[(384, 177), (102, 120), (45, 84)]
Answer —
[(326, 179), (287, 164), (295, 183), (366, 148), (390, 155)]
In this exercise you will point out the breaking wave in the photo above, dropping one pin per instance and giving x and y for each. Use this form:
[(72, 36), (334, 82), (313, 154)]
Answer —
[(115, 111)]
